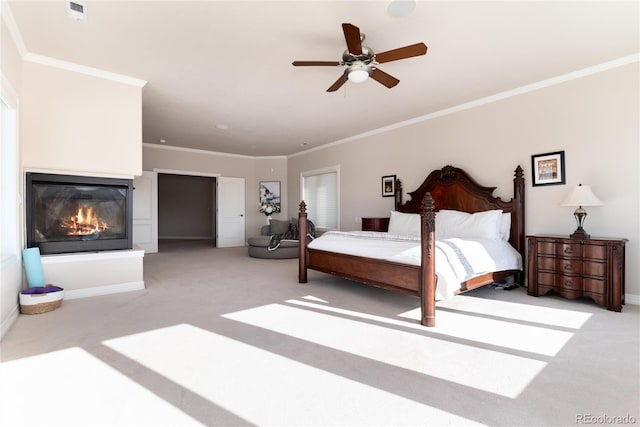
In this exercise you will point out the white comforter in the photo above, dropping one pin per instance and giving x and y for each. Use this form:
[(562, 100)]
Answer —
[(456, 260)]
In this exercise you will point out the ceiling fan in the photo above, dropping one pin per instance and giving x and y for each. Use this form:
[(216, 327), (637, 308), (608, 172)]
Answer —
[(362, 62)]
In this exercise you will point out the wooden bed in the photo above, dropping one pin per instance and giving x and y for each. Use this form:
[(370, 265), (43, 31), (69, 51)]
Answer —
[(446, 188)]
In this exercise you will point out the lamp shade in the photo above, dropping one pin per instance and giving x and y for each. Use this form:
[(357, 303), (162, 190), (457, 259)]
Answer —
[(581, 195)]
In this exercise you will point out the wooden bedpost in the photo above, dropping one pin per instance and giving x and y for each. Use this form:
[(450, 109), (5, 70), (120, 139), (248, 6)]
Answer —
[(518, 240), (427, 263), (398, 194), (302, 245)]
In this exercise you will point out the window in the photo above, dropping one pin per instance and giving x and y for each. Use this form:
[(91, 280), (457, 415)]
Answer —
[(9, 222), (320, 191)]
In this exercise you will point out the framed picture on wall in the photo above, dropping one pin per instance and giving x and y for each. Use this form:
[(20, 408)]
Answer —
[(270, 193), (388, 186), (548, 168)]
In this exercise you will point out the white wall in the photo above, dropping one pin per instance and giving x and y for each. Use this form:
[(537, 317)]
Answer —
[(78, 123), (594, 119)]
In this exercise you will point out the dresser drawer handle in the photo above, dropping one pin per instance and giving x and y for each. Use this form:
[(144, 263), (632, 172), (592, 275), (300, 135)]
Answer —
[(568, 267), (567, 283), (567, 250)]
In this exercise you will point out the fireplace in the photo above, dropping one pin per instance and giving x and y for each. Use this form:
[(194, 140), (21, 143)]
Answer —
[(68, 213)]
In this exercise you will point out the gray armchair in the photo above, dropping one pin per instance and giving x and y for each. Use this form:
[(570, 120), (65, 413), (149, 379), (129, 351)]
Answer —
[(259, 245)]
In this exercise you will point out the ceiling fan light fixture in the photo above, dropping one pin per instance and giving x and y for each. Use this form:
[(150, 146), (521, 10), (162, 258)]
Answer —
[(358, 72), (358, 76)]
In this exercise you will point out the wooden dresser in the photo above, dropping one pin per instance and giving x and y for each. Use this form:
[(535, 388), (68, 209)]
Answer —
[(574, 268), (375, 224)]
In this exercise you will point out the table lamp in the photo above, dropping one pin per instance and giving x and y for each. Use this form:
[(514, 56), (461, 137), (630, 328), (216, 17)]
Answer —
[(580, 195)]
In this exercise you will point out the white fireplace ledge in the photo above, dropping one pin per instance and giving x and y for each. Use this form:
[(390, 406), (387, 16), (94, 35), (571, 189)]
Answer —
[(91, 256), (95, 273)]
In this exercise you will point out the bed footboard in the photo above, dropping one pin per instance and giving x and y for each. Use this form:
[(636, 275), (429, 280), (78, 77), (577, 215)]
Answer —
[(384, 274)]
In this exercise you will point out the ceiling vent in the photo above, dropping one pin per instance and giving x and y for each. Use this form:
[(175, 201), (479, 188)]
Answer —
[(77, 10)]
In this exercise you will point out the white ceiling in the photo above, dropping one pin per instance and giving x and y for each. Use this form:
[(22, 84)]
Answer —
[(229, 62)]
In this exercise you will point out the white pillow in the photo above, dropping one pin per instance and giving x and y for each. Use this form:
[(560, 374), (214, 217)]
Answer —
[(480, 225), (404, 223), (505, 226)]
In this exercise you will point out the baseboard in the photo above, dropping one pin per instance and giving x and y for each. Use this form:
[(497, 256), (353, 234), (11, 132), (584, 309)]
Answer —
[(104, 290), (8, 322), (185, 238), (632, 299)]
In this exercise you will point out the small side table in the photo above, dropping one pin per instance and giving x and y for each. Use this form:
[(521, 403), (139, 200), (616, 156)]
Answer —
[(375, 224), (574, 268)]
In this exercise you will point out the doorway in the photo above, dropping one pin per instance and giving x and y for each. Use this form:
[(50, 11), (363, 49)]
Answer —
[(186, 207)]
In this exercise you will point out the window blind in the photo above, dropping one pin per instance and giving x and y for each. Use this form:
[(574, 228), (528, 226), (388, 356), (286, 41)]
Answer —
[(320, 193)]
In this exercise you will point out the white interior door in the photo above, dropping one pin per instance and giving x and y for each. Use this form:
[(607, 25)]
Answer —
[(231, 219), (145, 211)]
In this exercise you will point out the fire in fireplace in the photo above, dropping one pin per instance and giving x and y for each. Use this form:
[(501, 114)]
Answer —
[(68, 213)]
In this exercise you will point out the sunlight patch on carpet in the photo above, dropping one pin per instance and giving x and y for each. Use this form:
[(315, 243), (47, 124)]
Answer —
[(73, 388), (312, 298), (265, 388), (514, 336), (517, 311), (497, 372)]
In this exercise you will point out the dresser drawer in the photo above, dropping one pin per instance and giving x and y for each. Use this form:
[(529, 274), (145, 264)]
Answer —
[(595, 286), (594, 252), (546, 248), (566, 249), (546, 279), (546, 263), (592, 268), (570, 266), (570, 283)]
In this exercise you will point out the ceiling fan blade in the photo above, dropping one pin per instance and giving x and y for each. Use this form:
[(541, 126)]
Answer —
[(342, 80), (352, 37), (315, 63), (384, 78), (401, 53)]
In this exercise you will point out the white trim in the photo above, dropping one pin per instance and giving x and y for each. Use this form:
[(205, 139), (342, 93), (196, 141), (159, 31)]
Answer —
[(215, 153), (83, 69), (104, 290), (8, 92), (12, 26), (91, 256), (183, 172), (632, 299), (626, 60), (9, 320), (76, 173)]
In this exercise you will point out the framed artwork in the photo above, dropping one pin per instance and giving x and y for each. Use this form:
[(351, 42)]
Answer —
[(270, 193), (388, 186), (548, 168)]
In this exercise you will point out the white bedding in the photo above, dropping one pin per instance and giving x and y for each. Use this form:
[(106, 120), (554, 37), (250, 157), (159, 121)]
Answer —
[(456, 260)]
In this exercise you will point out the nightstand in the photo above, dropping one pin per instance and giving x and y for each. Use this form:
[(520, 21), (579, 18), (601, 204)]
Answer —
[(375, 224), (574, 268)]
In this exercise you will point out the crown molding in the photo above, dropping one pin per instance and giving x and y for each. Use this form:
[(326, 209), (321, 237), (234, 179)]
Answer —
[(82, 69), (215, 153), (12, 27)]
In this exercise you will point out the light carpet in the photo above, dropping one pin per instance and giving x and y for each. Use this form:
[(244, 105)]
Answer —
[(218, 338)]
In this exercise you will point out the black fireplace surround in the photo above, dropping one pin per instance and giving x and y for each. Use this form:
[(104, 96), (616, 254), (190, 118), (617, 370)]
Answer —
[(67, 213)]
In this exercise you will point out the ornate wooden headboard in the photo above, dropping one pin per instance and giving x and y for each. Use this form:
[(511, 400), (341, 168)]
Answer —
[(452, 188)]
